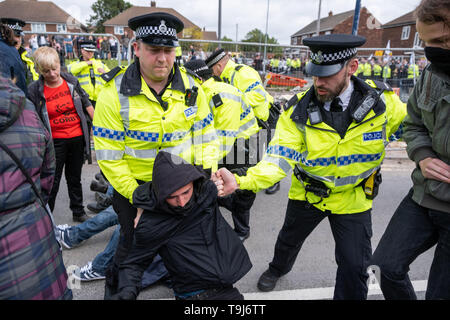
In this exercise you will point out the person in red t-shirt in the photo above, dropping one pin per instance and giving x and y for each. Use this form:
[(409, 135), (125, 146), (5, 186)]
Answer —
[(67, 105)]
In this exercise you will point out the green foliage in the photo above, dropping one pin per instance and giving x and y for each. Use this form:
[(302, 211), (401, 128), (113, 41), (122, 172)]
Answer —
[(258, 36), (105, 10)]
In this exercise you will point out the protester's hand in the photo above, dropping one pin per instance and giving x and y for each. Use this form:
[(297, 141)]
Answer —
[(433, 168), (226, 183), (101, 70), (138, 216)]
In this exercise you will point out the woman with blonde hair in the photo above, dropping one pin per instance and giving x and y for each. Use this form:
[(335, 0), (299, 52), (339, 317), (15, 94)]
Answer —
[(68, 106)]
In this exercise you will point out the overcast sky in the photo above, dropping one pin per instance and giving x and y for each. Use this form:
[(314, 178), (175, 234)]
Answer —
[(285, 16)]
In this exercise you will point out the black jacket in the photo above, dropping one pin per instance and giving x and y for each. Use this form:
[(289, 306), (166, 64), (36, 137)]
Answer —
[(80, 100), (199, 248)]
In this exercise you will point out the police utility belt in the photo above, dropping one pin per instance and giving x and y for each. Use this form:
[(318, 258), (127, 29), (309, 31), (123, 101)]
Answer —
[(371, 184)]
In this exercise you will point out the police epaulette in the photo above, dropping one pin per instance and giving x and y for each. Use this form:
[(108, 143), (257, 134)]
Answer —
[(238, 67), (292, 102), (191, 73), (112, 73), (380, 85)]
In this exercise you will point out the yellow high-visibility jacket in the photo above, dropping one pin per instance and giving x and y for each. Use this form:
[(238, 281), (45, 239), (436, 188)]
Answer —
[(178, 51), (233, 117), (377, 70), (367, 69), (248, 81), (320, 152), (131, 126), (387, 72), (31, 73), (82, 71), (413, 69)]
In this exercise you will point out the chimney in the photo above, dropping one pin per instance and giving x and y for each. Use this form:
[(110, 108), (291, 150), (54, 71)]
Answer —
[(153, 4), (330, 13)]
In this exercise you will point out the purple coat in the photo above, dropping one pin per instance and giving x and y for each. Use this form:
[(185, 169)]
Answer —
[(31, 264)]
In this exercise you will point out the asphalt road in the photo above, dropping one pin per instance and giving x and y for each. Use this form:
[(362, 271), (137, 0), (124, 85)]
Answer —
[(315, 266)]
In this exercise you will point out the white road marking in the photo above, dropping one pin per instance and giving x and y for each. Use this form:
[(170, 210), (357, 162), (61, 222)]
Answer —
[(318, 293)]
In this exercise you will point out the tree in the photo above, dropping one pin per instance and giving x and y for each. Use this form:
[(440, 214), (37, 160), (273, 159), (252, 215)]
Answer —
[(105, 10), (258, 36)]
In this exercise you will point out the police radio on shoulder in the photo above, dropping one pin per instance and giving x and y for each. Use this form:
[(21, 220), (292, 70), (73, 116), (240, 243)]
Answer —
[(369, 101)]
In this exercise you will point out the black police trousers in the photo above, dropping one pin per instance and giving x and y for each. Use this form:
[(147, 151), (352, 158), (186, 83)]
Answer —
[(126, 214), (352, 234)]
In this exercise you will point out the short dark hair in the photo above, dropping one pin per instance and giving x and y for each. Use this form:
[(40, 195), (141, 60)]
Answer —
[(433, 11)]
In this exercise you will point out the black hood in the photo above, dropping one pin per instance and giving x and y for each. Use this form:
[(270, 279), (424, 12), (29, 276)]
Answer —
[(170, 173)]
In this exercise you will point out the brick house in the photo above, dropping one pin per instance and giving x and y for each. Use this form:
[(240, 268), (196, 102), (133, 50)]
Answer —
[(402, 33), (118, 25), (368, 27), (40, 16)]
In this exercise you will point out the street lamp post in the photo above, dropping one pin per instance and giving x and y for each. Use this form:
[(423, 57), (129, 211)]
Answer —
[(318, 18), (220, 22), (265, 39)]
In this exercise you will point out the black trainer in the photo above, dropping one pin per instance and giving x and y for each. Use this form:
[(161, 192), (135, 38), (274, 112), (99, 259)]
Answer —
[(98, 186), (267, 281), (96, 207), (80, 217)]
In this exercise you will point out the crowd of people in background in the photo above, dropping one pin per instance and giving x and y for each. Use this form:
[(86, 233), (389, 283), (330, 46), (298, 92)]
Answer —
[(68, 46)]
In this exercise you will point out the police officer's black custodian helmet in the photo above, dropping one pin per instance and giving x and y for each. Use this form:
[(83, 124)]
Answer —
[(330, 52), (157, 29)]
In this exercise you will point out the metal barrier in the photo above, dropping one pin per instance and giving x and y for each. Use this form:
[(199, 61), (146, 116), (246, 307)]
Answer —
[(282, 74)]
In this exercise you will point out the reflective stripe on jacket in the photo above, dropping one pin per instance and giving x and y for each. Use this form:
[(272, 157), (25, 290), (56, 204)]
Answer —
[(233, 117), (340, 163), (248, 81), (82, 71), (130, 127)]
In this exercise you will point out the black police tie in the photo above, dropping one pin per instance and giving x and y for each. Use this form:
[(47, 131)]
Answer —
[(336, 105)]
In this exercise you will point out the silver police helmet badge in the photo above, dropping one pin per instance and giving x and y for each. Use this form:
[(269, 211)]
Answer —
[(318, 57), (162, 27)]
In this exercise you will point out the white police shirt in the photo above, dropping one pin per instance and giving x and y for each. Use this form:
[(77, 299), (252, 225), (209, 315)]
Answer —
[(344, 96)]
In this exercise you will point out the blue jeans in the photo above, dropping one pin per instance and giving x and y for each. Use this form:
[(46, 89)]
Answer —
[(103, 220), (414, 229), (104, 258)]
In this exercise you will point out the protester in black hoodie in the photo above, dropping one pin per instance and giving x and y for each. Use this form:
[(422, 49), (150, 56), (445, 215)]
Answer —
[(181, 221)]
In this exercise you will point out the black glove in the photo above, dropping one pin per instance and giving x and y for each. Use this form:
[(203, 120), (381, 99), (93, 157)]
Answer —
[(240, 171), (125, 294)]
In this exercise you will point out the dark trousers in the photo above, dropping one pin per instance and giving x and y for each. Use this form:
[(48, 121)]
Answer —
[(351, 232), (243, 155), (69, 153), (414, 229), (126, 214)]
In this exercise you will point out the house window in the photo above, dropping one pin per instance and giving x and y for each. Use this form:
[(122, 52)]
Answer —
[(61, 27), (294, 41), (405, 32), (38, 27), (328, 32), (118, 30), (417, 41)]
